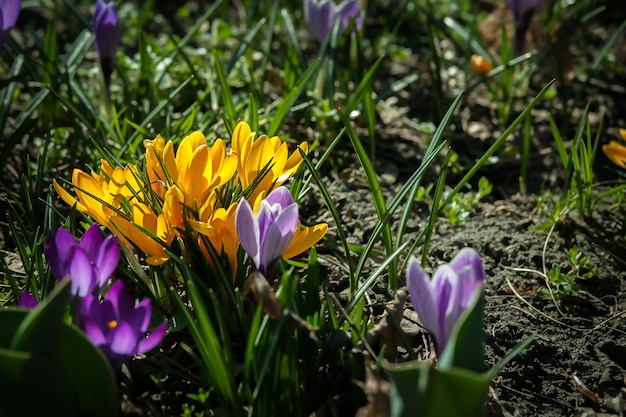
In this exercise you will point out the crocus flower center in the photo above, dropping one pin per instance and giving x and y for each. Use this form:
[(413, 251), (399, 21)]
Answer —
[(112, 324)]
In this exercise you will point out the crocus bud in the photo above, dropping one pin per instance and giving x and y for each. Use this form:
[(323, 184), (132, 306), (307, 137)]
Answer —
[(440, 302), (266, 235), (321, 15), (9, 11), (480, 65), (523, 11), (107, 33)]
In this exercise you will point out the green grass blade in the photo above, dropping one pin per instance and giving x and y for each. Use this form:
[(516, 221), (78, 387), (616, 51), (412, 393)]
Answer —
[(377, 196), (285, 106)]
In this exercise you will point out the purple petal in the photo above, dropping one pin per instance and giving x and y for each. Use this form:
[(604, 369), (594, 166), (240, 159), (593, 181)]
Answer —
[(100, 6), (93, 332), (280, 196), (124, 341), (9, 10), (153, 339), (519, 7), (106, 30), (27, 300), (327, 19), (469, 268), (140, 317), (58, 248), (348, 10), (445, 291), (468, 257), (265, 218), (107, 259), (449, 302), (101, 313), (120, 300), (420, 288), (92, 241), (319, 16), (278, 237), (248, 231), (81, 273)]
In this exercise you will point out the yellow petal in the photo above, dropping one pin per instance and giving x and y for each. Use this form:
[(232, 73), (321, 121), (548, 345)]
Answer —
[(303, 239), (67, 197), (242, 137), (616, 152), (144, 217), (202, 228), (169, 161), (93, 197), (173, 207), (106, 167), (154, 158)]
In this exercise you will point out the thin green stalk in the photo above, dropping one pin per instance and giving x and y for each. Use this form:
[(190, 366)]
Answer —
[(377, 197), (493, 148)]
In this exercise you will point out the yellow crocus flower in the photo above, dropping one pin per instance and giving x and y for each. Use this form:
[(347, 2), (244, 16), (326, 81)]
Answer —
[(194, 167), (100, 194), (253, 156), (615, 151)]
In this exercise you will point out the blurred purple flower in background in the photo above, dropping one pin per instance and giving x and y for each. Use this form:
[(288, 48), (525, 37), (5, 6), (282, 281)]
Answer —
[(440, 302), (89, 263), (117, 326), (321, 15), (107, 33), (27, 300), (266, 235), (523, 11), (9, 11)]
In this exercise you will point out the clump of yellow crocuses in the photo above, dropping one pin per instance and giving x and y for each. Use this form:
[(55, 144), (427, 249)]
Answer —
[(189, 192)]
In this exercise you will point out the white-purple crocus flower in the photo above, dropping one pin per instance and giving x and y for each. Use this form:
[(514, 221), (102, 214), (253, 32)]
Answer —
[(117, 326), (321, 15), (265, 235), (89, 263), (523, 11), (440, 302), (9, 11), (107, 33)]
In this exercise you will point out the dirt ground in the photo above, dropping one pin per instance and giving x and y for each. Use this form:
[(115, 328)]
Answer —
[(577, 364)]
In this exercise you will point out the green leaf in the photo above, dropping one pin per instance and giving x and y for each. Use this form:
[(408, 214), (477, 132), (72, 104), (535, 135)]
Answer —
[(43, 357), (418, 389), (39, 331), (465, 346)]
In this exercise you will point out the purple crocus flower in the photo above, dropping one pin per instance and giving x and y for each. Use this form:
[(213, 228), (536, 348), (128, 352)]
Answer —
[(107, 33), (266, 235), (440, 302), (9, 11), (523, 11), (321, 15), (27, 300), (117, 326), (89, 263)]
